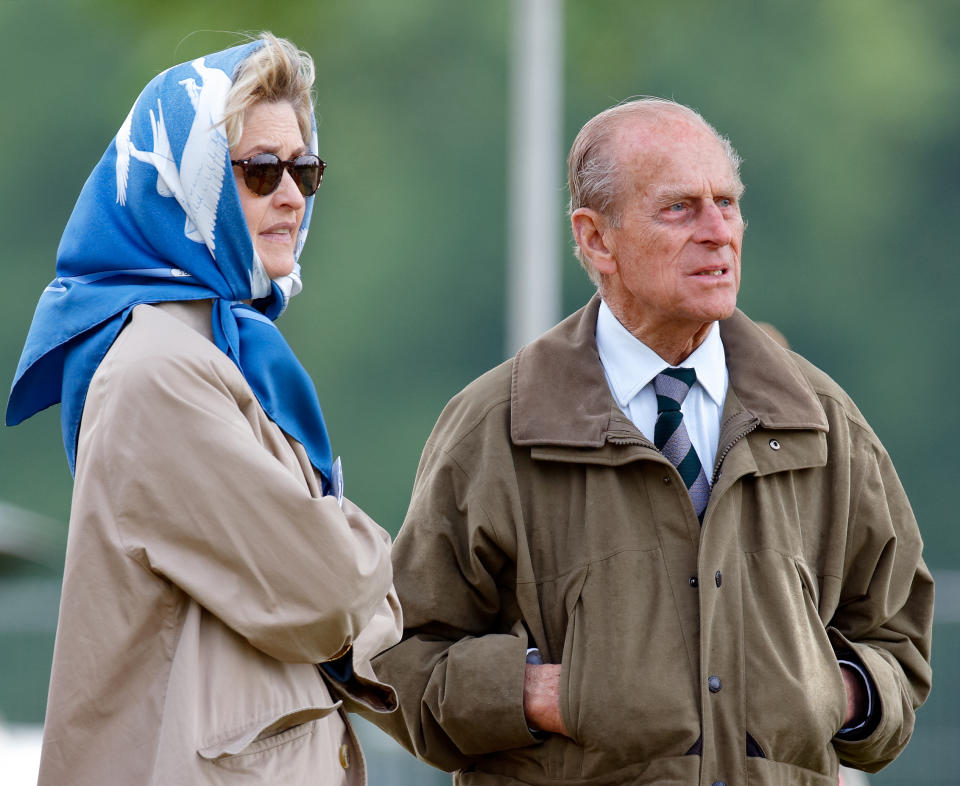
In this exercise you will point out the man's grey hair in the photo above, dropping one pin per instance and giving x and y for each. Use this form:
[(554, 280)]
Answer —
[(592, 163)]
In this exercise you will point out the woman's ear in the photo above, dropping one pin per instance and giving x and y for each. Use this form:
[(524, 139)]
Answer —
[(590, 234)]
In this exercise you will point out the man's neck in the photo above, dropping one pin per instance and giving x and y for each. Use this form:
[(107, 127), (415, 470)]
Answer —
[(672, 339), (674, 343)]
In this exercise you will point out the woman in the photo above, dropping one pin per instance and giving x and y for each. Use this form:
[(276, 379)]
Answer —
[(211, 557)]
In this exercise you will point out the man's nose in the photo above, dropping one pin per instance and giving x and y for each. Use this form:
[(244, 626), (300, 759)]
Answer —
[(713, 227)]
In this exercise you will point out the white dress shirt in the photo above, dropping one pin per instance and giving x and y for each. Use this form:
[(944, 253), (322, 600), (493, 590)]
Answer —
[(630, 366)]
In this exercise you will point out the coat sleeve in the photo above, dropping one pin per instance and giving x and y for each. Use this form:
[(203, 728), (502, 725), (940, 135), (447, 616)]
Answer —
[(459, 669), (885, 609), (351, 678), (171, 453)]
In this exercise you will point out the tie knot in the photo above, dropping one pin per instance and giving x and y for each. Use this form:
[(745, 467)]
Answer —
[(671, 386)]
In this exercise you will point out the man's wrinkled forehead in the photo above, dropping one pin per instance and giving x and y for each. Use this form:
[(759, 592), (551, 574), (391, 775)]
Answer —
[(673, 151)]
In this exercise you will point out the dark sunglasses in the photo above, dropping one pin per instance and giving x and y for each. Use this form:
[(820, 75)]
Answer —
[(263, 172)]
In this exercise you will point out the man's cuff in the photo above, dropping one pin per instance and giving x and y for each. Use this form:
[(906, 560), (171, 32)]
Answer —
[(858, 730)]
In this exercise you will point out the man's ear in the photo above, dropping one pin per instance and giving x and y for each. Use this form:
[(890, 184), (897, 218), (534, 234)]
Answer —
[(590, 230)]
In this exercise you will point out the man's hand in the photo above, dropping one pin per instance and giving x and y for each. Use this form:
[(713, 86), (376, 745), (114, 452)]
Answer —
[(856, 696), (541, 697)]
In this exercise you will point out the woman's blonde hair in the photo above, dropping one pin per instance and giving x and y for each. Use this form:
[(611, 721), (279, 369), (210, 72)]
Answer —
[(277, 71)]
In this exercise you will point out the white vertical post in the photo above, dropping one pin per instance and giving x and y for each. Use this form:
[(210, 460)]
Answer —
[(535, 164)]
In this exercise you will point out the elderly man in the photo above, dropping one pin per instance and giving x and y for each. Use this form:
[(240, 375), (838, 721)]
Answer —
[(655, 546)]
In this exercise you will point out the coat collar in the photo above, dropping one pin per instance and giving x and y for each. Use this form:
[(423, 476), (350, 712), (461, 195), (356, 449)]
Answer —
[(559, 395)]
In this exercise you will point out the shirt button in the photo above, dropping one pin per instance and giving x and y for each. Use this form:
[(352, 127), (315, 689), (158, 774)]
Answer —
[(718, 578), (693, 581), (345, 756), (714, 684)]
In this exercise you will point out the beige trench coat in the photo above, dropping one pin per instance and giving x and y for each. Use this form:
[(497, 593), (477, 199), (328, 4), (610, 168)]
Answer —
[(205, 577), (689, 655)]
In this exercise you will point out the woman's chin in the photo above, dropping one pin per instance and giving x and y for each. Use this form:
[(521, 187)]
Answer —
[(277, 267)]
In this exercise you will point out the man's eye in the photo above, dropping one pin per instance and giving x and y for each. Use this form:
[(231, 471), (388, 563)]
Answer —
[(724, 202), (676, 207)]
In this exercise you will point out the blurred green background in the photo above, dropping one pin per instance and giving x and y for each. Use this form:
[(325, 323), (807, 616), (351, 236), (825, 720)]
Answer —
[(847, 115)]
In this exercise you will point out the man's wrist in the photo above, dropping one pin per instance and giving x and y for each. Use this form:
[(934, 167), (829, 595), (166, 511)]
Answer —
[(535, 659), (861, 723)]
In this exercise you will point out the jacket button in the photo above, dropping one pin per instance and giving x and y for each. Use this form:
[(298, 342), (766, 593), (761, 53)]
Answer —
[(693, 581), (774, 444), (345, 756), (718, 578), (714, 684), (719, 783), (666, 480)]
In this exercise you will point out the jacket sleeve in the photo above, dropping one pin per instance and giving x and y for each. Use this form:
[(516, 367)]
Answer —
[(885, 608), (171, 452), (459, 669), (351, 678)]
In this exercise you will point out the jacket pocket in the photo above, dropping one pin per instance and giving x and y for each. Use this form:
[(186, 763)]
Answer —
[(569, 695), (796, 700), (241, 697), (627, 687), (264, 734), (754, 751)]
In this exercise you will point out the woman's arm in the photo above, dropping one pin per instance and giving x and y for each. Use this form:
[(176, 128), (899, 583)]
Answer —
[(208, 493)]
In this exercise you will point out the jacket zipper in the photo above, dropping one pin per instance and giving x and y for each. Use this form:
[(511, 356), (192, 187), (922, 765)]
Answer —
[(631, 440), (720, 459)]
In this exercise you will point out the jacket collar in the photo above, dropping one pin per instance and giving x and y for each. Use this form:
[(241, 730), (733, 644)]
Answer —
[(559, 395)]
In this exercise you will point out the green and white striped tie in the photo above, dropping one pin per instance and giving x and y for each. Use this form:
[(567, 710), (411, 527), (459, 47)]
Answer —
[(670, 434)]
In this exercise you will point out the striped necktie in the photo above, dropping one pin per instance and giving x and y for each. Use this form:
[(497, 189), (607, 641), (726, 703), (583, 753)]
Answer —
[(670, 435)]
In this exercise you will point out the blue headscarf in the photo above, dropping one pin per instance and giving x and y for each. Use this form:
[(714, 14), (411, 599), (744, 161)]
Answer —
[(160, 219)]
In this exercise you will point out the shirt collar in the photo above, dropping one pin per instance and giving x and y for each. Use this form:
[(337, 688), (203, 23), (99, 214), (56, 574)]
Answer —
[(630, 364)]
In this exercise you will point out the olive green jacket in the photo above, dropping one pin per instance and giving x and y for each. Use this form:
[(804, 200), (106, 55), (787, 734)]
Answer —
[(690, 655)]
